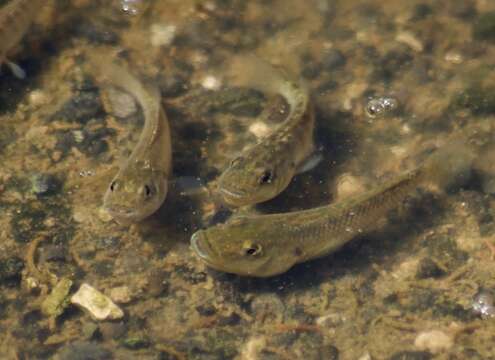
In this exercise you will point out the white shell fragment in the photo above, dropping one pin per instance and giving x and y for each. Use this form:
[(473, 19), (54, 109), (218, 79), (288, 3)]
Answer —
[(434, 341), (99, 306)]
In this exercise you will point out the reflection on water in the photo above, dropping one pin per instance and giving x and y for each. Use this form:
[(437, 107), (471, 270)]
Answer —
[(390, 81)]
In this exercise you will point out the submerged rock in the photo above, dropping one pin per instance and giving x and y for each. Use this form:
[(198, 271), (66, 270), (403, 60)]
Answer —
[(427, 268), (99, 306), (82, 107), (83, 350), (10, 269), (56, 302), (484, 27), (45, 184), (434, 340), (411, 355)]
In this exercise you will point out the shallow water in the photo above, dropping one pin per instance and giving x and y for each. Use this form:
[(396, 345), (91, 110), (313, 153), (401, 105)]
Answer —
[(61, 139)]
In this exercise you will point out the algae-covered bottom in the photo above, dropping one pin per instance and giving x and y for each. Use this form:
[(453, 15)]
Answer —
[(390, 82)]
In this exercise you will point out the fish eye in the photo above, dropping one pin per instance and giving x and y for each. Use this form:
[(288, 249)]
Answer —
[(266, 177), (147, 190), (252, 249), (113, 185)]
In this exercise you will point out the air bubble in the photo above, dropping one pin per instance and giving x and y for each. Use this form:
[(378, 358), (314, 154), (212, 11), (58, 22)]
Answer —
[(132, 7), (381, 106), (483, 304)]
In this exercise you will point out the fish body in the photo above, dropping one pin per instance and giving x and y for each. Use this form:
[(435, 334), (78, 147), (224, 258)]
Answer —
[(140, 185), (265, 169), (15, 19), (267, 245)]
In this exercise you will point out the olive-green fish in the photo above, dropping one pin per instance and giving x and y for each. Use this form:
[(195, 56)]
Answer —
[(264, 170), (140, 186), (267, 245)]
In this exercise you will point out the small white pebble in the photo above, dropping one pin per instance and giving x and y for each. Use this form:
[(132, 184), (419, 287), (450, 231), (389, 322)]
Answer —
[(398, 150), (252, 349), (162, 35), (122, 103), (38, 98), (210, 82), (365, 356), (410, 40), (330, 320), (454, 57), (348, 184), (434, 341), (259, 129), (104, 215), (120, 294), (98, 305)]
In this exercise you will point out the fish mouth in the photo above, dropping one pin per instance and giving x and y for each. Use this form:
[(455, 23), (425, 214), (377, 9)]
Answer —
[(122, 213), (233, 194), (199, 247)]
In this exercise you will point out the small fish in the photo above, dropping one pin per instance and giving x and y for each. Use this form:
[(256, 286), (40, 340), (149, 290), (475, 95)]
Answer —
[(15, 19), (141, 184), (264, 170), (268, 245)]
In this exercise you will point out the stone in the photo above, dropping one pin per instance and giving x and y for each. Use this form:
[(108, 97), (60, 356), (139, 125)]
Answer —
[(99, 306), (434, 341), (120, 294)]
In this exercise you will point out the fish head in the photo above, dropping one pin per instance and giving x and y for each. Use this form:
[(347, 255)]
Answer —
[(135, 193), (240, 248), (256, 176)]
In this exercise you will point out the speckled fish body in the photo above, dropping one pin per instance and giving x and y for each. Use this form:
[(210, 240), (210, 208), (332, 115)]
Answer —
[(264, 170), (140, 186), (267, 245)]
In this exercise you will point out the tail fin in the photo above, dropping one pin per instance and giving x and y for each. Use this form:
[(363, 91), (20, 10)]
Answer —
[(450, 166), (250, 70)]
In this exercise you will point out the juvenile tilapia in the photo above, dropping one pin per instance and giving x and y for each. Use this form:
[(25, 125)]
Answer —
[(267, 245), (264, 170), (15, 19), (140, 186)]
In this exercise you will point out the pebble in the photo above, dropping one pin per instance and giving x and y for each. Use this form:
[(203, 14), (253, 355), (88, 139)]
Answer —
[(10, 268), (330, 320), (38, 98), (253, 348), (410, 40), (267, 306), (123, 104), (434, 341), (45, 184), (259, 129), (411, 355), (99, 306), (485, 169), (120, 294), (82, 107), (454, 57), (333, 59), (347, 185), (427, 268), (162, 35), (111, 330), (210, 82), (365, 356), (83, 350)]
